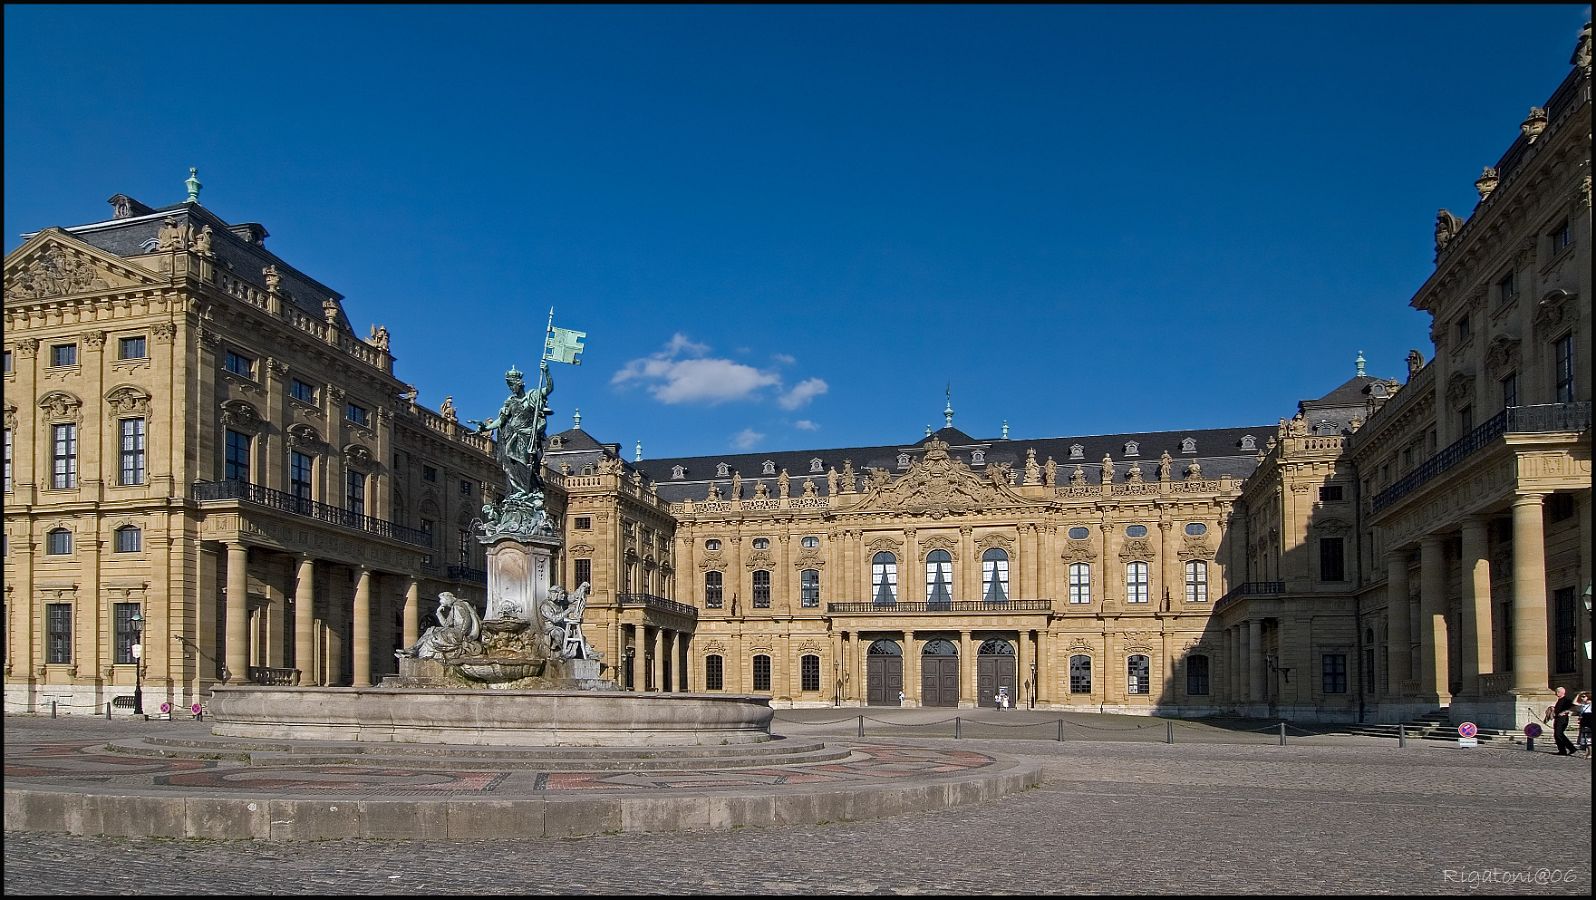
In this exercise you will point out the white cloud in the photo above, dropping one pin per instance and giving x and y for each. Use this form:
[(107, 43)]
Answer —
[(802, 393), (805, 425), (746, 439), (699, 379), (785, 359)]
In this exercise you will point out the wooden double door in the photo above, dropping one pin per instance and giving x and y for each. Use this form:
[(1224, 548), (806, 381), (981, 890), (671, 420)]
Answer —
[(939, 681), (993, 674), (884, 680)]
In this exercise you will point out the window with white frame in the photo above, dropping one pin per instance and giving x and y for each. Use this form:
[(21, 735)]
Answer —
[(809, 588), (1138, 672), (1080, 583), (714, 587), (63, 456), (995, 575), (1080, 674), (762, 589), (678, 472), (1077, 451), (769, 467), (57, 633), (816, 466), (903, 460), (939, 577), (884, 579), (761, 543), (1196, 581), (722, 470), (809, 542), (1188, 445), (1132, 448), (1136, 582), (8, 448), (131, 470)]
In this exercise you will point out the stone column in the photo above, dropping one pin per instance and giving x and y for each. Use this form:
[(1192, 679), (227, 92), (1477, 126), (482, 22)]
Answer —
[(412, 617), (685, 663), (237, 657), (667, 673), (1233, 664), (1477, 636), (305, 620), (967, 682), (1258, 687), (1434, 678), (362, 629), (1024, 674), (1044, 667), (653, 657), (333, 664), (1530, 675), (911, 669), (1399, 643)]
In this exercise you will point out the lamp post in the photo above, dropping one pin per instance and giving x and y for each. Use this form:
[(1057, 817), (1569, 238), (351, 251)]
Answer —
[(138, 662)]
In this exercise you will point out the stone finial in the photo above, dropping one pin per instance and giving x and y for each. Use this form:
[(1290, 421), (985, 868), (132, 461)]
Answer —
[(1487, 182), (637, 452), (928, 431), (947, 411), (1534, 123), (329, 310), (1005, 429), (576, 418), (193, 184), (1360, 363)]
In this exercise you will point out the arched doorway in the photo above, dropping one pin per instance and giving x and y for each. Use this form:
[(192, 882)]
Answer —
[(994, 671), (884, 673), (939, 674)]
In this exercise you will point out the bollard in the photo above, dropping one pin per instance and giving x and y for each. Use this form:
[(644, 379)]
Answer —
[(1169, 732), (108, 711), (1061, 729), (861, 725), (52, 709), (1402, 734), (955, 727), (1282, 734)]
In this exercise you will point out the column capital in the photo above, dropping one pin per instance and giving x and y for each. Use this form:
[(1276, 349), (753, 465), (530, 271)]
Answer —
[(1431, 540), (1530, 499)]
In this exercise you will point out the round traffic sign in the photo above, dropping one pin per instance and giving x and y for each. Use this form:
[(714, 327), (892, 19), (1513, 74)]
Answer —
[(1532, 730), (1468, 730), (166, 707), (196, 708)]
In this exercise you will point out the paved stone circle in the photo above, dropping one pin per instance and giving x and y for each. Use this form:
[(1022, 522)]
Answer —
[(1118, 812)]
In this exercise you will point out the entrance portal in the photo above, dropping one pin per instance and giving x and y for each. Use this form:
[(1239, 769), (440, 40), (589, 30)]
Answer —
[(939, 674), (994, 671), (884, 675)]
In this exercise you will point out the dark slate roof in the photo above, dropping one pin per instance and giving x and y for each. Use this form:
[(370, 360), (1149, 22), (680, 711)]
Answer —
[(1218, 451), (243, 260), (1353, 392), (1333, 413)]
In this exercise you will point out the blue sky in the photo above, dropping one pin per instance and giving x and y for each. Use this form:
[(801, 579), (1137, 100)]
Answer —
[(790, 227)]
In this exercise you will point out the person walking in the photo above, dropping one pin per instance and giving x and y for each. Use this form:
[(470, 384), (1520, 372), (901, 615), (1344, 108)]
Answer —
[(1582, 708), (1560, 713)]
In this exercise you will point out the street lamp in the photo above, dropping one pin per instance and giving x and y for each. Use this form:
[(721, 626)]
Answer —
[(138, 662)]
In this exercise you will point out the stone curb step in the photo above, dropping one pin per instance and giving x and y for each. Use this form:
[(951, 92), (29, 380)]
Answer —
[(774, 747)]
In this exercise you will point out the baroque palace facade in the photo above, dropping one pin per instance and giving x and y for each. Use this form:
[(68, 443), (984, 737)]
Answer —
[(197, 439)]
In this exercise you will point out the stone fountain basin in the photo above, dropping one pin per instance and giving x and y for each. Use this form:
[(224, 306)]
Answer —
[(488, 717)]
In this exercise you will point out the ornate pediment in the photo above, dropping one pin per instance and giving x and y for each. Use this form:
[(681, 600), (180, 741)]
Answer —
[(58, 266), (1502, 356), (941, 543), (60, 405), (357, 455), (938, 484), (1078, 551), (304, 437), (239, 414), (1554, 309), (1196, 548), (1136, 548), (759, 559), (128, 400), (989, 541)]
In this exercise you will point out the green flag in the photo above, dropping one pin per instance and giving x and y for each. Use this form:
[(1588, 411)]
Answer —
[(564, 345)]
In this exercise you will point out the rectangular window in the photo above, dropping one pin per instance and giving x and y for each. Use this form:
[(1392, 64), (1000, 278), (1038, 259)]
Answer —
[(762, 589), (1335, 673), (1564, 377), (1196, 676), (1136, 582), (1561, 236), (8, 459), (1565, 633), (64, 456), (1463, 330), (127, 632), (58, 632), (132, 451), (1080, 674), (357, 414), (355, 492), (1332, 560), (1196, 581), (1331, 493), (714, 673), (761, 673), (129, 539), (1510, 390), (8, 368), (714, 590), (464, 536), (465, 487), (58, 542), (429, 473), (64, 355), (1465, 420), (235, 462), (809, 588), (1507, 288), (239, 364), (1138, 675), (301, 469), (1080, 583), (583, 523), (809, 673), (303, 391), (133, 348), (581, 572)]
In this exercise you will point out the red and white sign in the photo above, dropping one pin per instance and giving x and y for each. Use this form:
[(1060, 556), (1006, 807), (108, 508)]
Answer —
[(1468, 730)]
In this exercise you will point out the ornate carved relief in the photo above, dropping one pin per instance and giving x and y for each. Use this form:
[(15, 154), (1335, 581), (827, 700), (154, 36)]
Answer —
[(709, 565), (127, 400), (1078, 551), (988, 541), (28, 347), (1196, 548), (304, 437), (1502, 356), (1136, 548), (11, 415), (163, 332), (885, 544), (1554, 310), (241, 415), (1333, 526), (94, 339), (759, 559), (938, 484), (58, 271), (357, 455), (60, 405), (1460, 389), (937, 542)]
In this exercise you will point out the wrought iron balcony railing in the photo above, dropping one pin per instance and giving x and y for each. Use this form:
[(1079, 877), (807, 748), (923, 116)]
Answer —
[(1251, 589), (950, 606), (286, 502), (1513, 420), (649, 601)]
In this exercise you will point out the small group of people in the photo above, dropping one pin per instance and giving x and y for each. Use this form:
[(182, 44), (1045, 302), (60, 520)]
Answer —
[(1560, 712)]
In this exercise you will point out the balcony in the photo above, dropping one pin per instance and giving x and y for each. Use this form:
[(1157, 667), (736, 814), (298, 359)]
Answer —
[(1251, 589), (951, 606), (1546, 417), (649, 601), (466, 573), (310, 509)]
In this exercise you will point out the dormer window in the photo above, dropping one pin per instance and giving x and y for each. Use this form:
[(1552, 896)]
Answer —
[(556, 442), (1189, 445), (769, 468), (1248, 442), (815, 465), (722, 470), (1325, 427), (1131, 449), (1077, 451), (903, 460), (977, 457)]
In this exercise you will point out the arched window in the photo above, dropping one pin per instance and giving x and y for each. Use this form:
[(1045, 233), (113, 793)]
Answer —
[(714, 583), (712, 544), (1138, 674), (1080, 674), (884, 648), (1196, 581), (940, 648), (761, 672), (809, 542), (762, 589), (714, 673), (1080, 583), (884, 579), (1196, 675), (129, 539), (995, 647), (1136, 582), (58, 542), (939, 577), (809, 672), (1132, 448), (995, 576), (761, 543), (809, 588)]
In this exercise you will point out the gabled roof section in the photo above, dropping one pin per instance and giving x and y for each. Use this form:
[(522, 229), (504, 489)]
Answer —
[(55, 263), (951, 436), (1351, 393)]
